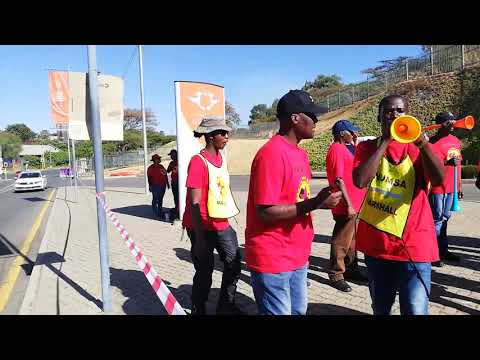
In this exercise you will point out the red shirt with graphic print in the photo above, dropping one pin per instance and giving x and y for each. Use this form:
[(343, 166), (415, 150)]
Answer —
[(280, 175), (197, 178), (446, 148), (419, 241)]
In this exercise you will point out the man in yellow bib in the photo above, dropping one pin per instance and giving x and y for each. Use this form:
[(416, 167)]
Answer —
[(396, 231), (209, 205)]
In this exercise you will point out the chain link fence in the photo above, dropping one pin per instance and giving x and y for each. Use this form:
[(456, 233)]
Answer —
[(86, 167), (452, 58), (262, 130)]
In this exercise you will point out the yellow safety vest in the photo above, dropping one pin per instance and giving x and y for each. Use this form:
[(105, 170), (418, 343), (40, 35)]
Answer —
[(389, 197), (220, 203)]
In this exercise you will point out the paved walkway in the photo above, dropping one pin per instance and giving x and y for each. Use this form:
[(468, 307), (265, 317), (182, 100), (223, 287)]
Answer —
[(66, 277)]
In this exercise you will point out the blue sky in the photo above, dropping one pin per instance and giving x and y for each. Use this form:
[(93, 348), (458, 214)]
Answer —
[(251, 75)]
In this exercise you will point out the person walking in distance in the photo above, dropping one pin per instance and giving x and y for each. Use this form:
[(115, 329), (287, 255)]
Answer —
[(279, 231), (173, 170), (157, 183), (339, 166), (209, 205)]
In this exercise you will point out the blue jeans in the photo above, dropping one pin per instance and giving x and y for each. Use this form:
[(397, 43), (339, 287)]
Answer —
[(282, 293), (441, 205), (158, 192), (386, 277)]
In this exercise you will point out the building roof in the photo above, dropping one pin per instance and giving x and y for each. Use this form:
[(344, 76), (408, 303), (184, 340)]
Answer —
[(37, 150)]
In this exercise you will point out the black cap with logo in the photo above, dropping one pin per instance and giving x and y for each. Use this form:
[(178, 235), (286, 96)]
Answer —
[(298, 101)]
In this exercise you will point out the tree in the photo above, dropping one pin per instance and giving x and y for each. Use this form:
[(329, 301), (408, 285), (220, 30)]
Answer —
[(231, 116), (11, 145), (44, 134), (22, 131), (132, 139), (132, 119), (323, 82), (258, 112)]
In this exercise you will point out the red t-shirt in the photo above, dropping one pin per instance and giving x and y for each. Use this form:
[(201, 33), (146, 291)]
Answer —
[(197, 178), (158, 174), (419, 234), (446, 148), (279, 176), (173, 167), (340, 164)]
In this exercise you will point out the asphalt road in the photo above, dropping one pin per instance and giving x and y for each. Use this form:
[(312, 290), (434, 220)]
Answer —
[(240, 183), (18, 213)]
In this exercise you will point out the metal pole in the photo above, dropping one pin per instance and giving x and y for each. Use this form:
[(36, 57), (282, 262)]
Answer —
[(463, 57), (368, 88), (99, 186), (431, 58), (74, 169), (328, 102), (142, 101), (406, 67), (68, 143), (353, 93)]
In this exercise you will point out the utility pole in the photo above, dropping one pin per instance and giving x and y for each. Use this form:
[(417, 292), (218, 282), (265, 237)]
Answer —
[(99, 183), (142, 101)]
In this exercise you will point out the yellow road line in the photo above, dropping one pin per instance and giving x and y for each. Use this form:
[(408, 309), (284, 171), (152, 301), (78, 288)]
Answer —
[(11, 278)]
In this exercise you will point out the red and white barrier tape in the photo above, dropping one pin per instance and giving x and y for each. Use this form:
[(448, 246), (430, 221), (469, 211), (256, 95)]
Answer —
[(166, 297)]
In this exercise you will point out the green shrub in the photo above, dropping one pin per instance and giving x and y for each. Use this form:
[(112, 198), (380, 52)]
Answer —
[(34, 162), (59, 158), (469, 171)]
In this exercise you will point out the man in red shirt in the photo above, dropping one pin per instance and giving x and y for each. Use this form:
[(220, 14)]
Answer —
[(395, 230), (448, 149), (279, 231), (173, 169), (339, 161), (209, 204), (157, 182)]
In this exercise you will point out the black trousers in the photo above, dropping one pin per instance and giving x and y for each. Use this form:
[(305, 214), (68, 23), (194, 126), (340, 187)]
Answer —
[(226, 244), (175, 197)]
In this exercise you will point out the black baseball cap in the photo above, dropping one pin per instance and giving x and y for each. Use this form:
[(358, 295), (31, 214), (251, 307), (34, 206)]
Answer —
[(298, 101), (444, 116)]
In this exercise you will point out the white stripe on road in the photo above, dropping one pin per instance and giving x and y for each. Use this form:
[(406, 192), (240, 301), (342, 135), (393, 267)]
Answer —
[(6, 188)]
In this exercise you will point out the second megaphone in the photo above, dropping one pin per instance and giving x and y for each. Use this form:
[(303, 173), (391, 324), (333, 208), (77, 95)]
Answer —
[(406, 128)]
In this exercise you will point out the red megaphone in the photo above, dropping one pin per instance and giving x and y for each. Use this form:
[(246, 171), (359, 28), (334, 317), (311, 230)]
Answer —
[(468, 122)]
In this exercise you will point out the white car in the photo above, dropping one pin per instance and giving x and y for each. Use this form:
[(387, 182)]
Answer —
[(31, 180)]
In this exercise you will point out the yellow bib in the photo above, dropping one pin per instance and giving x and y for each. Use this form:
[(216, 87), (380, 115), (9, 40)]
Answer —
[(220, 203), (389, 197)]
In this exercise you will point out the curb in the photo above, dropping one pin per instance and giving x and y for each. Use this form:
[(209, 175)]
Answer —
[(33, 282), (319, 175)]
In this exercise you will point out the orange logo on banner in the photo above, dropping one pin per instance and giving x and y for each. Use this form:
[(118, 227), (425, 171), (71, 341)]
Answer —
[(198, 100), (59, 96)]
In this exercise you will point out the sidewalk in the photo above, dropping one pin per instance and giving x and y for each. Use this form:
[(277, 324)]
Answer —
[(71, 284)]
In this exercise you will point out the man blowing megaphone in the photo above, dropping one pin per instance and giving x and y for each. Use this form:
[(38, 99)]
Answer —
[(448, 149), (395, 229)]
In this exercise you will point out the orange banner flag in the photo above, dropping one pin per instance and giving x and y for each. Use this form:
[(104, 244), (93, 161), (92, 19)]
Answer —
[(59, 96)]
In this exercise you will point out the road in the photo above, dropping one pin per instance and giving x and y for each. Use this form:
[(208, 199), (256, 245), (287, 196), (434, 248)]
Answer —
[(19, 218), (240, 183), (20, 215)]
